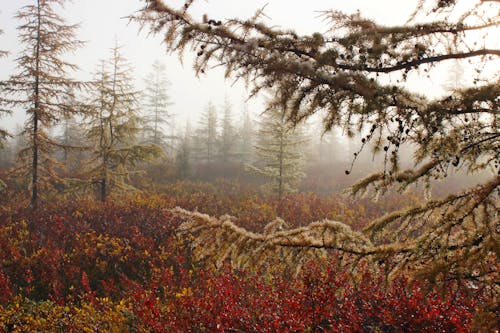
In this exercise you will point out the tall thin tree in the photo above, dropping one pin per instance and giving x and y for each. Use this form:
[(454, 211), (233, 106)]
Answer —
[(206, 134), (114, 125), (40, 87), (278, 152), (227, 135), (246, 136), (3, 133), (157, 102), (182, 156), (72, 136)]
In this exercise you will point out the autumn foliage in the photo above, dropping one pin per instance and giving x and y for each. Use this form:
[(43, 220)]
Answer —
[(82, 266)]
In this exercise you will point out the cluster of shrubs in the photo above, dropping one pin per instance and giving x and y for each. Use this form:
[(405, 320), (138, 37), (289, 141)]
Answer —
[(82, 266)]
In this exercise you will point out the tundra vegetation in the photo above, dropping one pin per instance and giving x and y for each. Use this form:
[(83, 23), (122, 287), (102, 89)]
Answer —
[(124, 225)]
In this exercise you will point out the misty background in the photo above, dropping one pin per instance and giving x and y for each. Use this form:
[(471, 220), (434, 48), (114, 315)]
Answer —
[(324, 157)]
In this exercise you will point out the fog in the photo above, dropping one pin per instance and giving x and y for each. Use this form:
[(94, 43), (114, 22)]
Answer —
[(102, 23)]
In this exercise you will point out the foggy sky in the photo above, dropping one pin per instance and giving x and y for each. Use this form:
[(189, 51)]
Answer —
[(104, 21)]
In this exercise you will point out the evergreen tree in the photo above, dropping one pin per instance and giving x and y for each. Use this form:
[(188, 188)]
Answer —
[(356, 74), (3, 133), (40, 87), (4, 151), (157, 104), (114, 127), (205, 138), (6, 155), (228, 135), (73, 144), (71, 139), (278, 152), (2, 52), (183, 155), (20, 139), (456, 77), (246, 137), (328, 146)]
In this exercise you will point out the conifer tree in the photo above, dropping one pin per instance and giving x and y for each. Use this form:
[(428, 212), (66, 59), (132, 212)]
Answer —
[(330, 150), (278, 152), (40, 87), (227, 135), (355, 74), (206, 134), (2, 52), (3, 133), (246, 137), (73, 144), (6, 155), (71, 140), (183, 155), (157, 103), (455, 78), (114, 125)]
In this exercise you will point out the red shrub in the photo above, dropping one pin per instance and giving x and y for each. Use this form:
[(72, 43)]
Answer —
[(130, 252)]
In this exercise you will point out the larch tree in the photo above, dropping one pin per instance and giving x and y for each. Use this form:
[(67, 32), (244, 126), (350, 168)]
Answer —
[(329, 148), (73, 145), (227, 134), (3, 132), (157, 103), (114, 126), (3, 53), (206, 135), (70, 139), (278, 153), (40, 87), (183, 154), (355, 75), (246, 137)]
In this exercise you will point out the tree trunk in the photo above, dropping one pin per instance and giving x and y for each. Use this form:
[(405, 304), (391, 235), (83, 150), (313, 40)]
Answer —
[(280, 180), (34, 190), (103, 190)]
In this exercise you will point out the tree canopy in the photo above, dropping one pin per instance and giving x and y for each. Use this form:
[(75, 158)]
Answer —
[(343, 75), (41, 86), (114, 124), (3, 132), (157, 103), (279, 159)]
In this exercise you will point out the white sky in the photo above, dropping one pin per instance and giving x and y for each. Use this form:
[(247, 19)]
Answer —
[(102, 21)]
